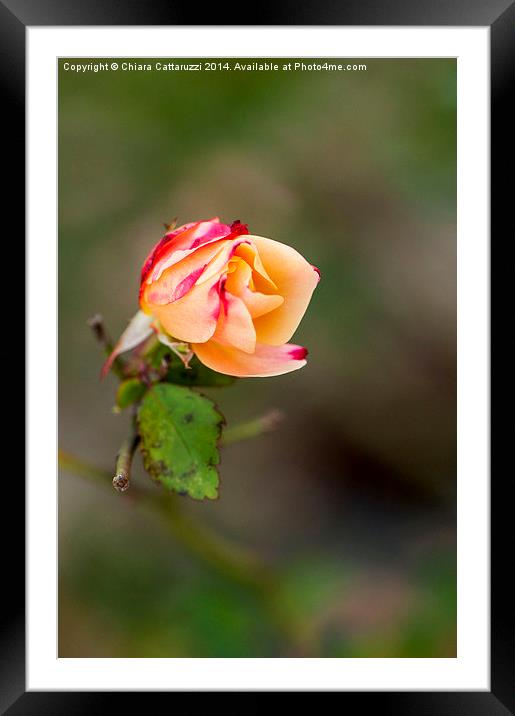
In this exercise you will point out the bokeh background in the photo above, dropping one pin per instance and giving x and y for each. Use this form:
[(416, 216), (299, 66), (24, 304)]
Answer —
[(352, 498)]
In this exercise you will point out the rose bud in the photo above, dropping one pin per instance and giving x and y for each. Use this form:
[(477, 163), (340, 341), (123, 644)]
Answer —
[(234, 297)]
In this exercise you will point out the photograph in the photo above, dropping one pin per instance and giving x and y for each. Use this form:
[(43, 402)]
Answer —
[(257, 350)]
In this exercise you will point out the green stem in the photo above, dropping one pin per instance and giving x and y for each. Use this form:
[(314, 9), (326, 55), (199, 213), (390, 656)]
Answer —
[(252, 428)]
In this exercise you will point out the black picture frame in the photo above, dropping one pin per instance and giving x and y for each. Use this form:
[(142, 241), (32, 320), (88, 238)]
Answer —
[(15, 16)]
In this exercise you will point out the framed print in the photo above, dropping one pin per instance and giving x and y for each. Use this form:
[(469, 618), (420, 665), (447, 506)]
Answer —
[(258, 452)]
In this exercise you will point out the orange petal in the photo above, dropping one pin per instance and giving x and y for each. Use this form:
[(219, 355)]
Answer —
[(221, 261), (260, 303), (239, 275), (296, 280), (177, 280), (265, 361), (235, 327), (193, 317), (240, 283), (247, 251), (179, 243), (182, 242)]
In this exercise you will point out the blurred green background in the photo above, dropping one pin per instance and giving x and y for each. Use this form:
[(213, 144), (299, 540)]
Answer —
[(352, 498)]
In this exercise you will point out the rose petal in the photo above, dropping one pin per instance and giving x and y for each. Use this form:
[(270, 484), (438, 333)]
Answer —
[(265, 361), (193, 317), (250, 254), (260, 303), (220, 262), (185, 240), (296, 280), (238, 281), (239, 275), (177, 243), (235, 327), (177, 280)]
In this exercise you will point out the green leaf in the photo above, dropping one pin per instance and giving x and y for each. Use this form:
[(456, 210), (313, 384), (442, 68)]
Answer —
[(180, 430), (197, 374), (129, 392)]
